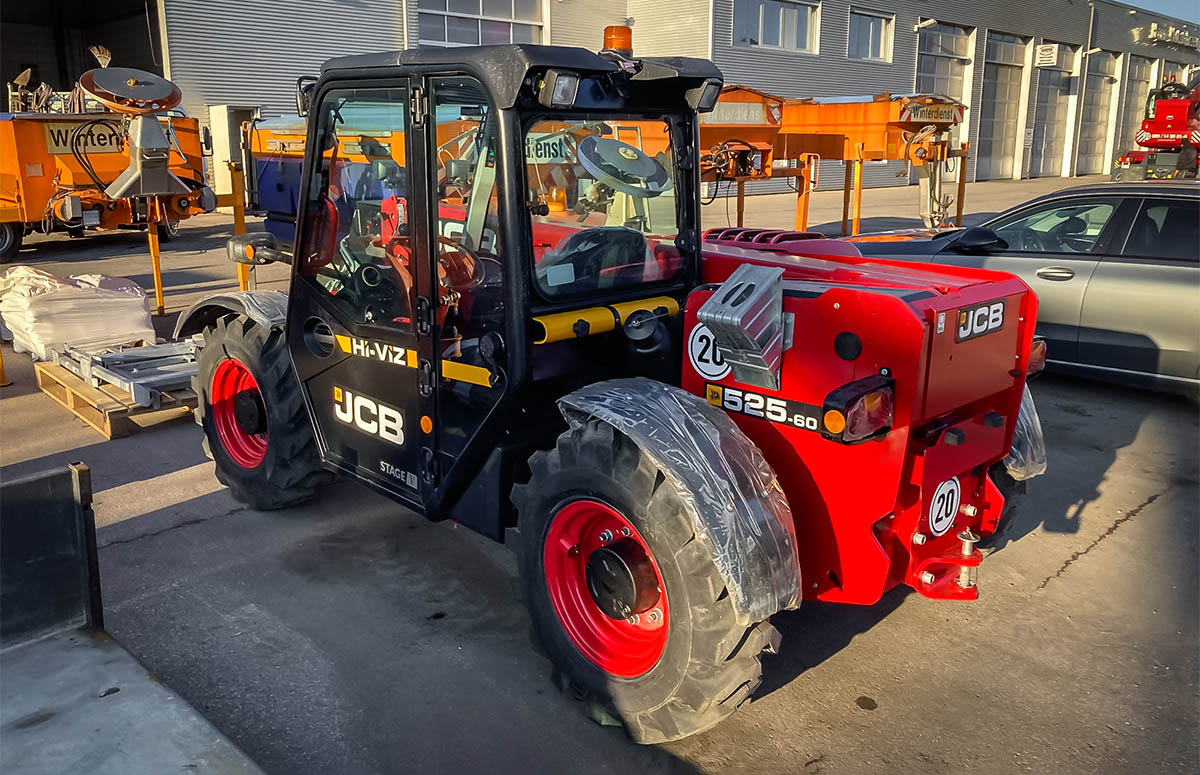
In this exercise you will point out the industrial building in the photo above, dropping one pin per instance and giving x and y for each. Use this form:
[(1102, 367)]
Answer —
[(1053, 88)]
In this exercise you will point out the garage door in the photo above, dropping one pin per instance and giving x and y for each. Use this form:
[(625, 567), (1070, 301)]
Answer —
[(1001, 102), (1097, 106), (1137, 88), (942, 55), (1055, 87), (943, 52)]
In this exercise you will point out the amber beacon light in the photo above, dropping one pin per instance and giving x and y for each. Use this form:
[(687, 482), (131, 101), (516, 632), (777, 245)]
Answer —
[(619, 38)]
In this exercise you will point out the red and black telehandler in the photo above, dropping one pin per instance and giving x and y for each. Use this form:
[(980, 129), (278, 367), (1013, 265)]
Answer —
[(503, 311)]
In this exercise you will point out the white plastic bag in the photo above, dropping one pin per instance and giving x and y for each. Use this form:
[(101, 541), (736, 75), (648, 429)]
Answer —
[(1027, 458), (89, 311)]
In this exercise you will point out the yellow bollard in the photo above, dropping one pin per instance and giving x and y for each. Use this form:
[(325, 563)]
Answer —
[(152, 218), (4, 381), (846, 197), (858, 187), (238, 186), (962, 184)]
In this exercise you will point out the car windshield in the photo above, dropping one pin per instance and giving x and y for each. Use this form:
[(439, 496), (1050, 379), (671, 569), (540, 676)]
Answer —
[(602, 194)]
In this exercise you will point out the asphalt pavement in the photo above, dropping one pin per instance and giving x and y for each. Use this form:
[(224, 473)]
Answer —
[(349, 635)]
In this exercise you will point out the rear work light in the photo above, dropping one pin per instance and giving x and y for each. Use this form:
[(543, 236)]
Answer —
[(860, 411)]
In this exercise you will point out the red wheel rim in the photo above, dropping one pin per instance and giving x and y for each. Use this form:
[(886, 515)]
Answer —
[(621, 647), (231, 378)]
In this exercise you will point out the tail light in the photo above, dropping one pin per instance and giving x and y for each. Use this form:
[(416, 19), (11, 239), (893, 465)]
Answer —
[(860, 411), (1037, 357)]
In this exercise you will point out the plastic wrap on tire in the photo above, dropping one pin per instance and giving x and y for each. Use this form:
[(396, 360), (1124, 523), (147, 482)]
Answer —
[(1027, 458), (733, 496)]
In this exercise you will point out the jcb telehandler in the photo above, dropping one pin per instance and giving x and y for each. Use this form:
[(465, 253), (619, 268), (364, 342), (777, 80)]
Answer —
[(503, 312)]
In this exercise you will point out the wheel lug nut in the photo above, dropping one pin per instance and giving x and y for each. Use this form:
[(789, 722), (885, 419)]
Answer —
[(656, 616), (634, 619), (626, 532), (927, 577), (606, 536)]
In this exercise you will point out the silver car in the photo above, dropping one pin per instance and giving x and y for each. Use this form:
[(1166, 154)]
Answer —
[(1116, 268)]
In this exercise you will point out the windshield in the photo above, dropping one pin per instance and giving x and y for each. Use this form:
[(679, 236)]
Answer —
[(602, 194)]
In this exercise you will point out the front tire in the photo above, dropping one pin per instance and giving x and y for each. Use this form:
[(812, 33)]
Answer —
[(256, 428), (10, 239), (595, 497)]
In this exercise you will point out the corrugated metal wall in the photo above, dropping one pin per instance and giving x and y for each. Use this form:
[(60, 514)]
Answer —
[(830, 72), (582, 22), (672, 27), (827, 73), (250, 52)]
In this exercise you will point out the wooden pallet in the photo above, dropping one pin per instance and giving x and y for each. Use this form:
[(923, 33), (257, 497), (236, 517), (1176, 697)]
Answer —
[(107, 408)]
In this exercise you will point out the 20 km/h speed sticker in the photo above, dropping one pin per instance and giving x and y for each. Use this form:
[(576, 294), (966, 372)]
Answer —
[(943, 507), (704, 355)]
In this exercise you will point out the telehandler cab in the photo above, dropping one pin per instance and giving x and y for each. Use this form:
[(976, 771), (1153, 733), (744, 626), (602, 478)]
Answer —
[(503, 312)]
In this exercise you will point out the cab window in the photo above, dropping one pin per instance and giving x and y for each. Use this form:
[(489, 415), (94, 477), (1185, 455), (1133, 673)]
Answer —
[(602, 198), (1062, 227), (356, 249)]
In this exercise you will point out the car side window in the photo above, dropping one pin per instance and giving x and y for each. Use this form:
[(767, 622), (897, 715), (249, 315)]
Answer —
[(1165, 228), (1061, 227)]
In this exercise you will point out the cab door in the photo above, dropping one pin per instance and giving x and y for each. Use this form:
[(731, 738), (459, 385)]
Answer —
[(359, 283), (470, 277)]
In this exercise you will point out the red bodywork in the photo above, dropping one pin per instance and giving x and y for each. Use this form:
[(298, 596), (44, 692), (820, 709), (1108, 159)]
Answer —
[(1174, 121), (858, 506)]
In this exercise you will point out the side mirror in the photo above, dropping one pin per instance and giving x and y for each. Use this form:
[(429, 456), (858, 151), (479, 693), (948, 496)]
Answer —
[(304, 93), (255, 249), (976, 239), (206, 146)]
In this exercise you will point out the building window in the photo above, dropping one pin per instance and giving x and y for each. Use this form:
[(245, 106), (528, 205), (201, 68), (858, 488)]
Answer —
[(479, 22), (870, 36), (776, 24)]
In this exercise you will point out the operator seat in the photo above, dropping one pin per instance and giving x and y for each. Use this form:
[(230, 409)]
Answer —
[(595, 259)]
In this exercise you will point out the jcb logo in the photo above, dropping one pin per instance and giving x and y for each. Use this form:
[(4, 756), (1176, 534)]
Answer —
[(368, 416), (388, 353), (977, 321)]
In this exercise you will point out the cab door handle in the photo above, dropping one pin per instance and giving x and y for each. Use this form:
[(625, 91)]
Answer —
[(1055, 273)]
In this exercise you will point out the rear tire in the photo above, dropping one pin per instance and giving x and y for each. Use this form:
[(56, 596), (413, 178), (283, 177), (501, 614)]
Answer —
[(707, 664), (280, 466), (10, 239)]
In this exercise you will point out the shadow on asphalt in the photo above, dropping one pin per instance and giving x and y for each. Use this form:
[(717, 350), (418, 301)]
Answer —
[(816, 632), (1086, 424), (163, 449), (120, 242)]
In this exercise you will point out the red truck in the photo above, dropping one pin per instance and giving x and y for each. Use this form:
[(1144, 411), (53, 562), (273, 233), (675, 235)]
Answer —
[(1169, 136)]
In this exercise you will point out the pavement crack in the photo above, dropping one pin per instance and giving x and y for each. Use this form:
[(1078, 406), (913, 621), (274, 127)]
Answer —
[(1111, 529), (186, 523)]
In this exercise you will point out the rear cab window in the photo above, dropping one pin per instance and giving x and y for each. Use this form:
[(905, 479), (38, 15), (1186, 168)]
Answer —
[(601, 191)]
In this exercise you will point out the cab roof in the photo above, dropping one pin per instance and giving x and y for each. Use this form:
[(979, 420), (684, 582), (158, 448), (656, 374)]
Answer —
[(503, 69)]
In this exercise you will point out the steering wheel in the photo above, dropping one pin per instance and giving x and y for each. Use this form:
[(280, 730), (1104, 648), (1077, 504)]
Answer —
[(1031, 240), (622, 167)]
